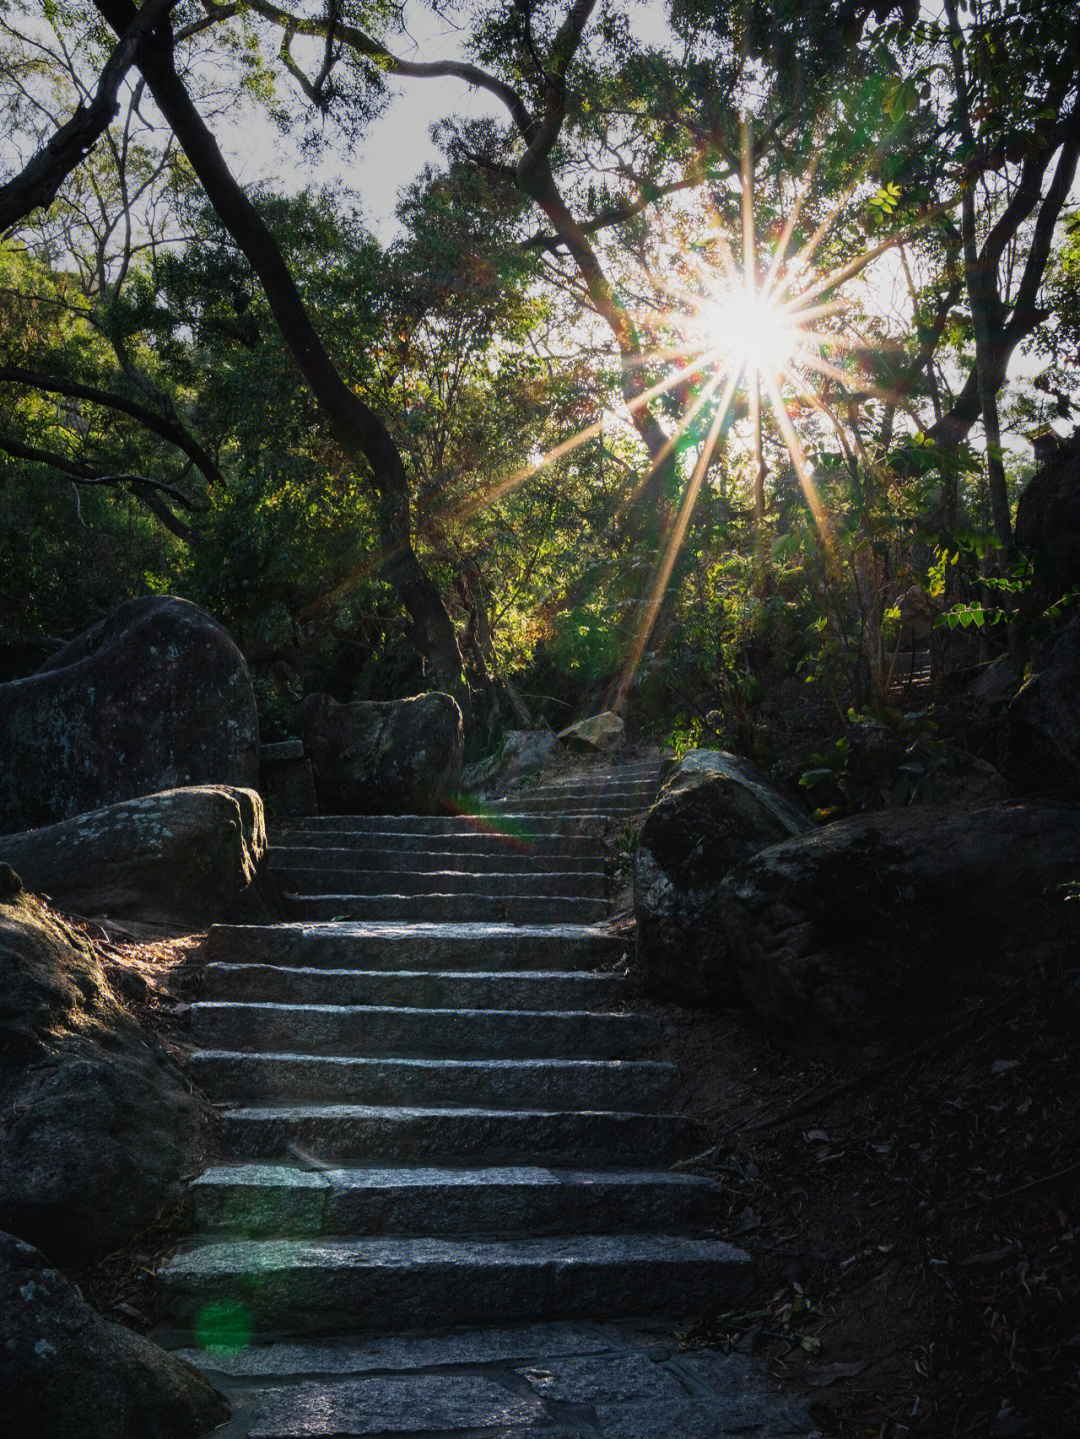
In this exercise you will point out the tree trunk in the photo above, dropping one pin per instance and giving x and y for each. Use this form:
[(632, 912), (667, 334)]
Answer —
[(359, 432)]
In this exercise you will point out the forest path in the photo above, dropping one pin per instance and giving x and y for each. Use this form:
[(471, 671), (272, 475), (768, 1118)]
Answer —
[(437, 1112)]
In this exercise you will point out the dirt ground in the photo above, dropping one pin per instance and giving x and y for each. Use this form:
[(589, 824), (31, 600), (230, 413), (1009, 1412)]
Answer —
[(914, 1223)]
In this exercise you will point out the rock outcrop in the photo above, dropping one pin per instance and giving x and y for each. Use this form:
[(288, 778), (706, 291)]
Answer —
[(1041, 735), (1048, 516), (521, 752), (97, 1124), (185, 856), (716, 811), (370, 757), (155, 697), (594, 735), (66, 1371), (878, 929)]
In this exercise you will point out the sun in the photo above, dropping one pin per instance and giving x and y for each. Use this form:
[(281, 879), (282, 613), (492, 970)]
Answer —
[(753, 332)]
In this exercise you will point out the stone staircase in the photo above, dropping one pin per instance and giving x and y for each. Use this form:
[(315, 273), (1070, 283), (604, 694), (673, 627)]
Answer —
[(436, 1109)]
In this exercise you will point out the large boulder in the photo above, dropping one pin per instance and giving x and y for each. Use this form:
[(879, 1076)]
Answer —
[(393, 757), (185, 856), (1041, 737), (1048, 515), (875, 930), (96, 1124), (716, 811), (64, 1370), (521, 752), (594, 735), (155, 697)]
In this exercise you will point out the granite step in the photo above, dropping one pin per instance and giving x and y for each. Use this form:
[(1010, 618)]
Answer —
[(437, 908), (267, 1077), (494, 824), (335, 1134), (266, 1200), (373, 855), (415, 989), (312, 880), (371, 1031), (308, 1286), (460, 947)]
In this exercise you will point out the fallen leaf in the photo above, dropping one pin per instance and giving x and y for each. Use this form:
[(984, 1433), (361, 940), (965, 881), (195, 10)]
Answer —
[(834, 1372)]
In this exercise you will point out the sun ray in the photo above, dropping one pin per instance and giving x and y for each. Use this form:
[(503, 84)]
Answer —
[(662, 576), (798, 458)]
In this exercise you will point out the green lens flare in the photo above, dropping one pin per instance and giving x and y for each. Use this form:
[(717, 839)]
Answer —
[(223, 1327)]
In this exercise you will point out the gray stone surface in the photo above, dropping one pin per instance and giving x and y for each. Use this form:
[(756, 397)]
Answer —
[(423, 1033), (371, 757), (415, 989), (155, 697), (585, 858), (715, 812), (306, 1285), (504, 1083), (364, 1134), (313, 879), (419, 946), (435, 908), (596, 733), (267, 1200), (67, 1373), (185, 856), (877, 930), (409, 1352), (98, 1126)]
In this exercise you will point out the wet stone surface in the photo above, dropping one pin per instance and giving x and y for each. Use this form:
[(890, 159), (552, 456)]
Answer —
[(557, 1381)]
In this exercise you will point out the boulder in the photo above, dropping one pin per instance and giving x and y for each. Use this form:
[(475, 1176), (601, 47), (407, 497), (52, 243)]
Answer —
[(1048, 516), (155, 697), (597, 733), (521, 752), (874, 931), (185, 856), (286, 782), (97, 1124), (1041, 737), (64, 1370), (371, 757), (715, 811)]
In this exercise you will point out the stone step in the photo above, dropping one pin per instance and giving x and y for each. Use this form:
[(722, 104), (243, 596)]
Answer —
[(306, 1286), (307, 880), (502, 1083), (332, 1134), (371, 1031), (263, 1200), (372, 855), (416, 989), (418, 946), (435, 908), (581, 795), (496, 824)]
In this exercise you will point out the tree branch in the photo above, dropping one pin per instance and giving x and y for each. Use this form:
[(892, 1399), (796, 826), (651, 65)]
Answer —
[(167, 429), (147, 490), (37, 183)]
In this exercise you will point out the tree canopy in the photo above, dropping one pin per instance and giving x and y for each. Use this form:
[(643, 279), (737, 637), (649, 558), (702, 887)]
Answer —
[(723, 329)]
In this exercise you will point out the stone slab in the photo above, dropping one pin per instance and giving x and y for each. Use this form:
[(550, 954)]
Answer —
[(468, 855), (500, 1083), (434, 908), (313, 1286), (413, 1352), (333, 1134), (369, 1031), (268, 1200), (419, 946), (313, 879), (414, 989)]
